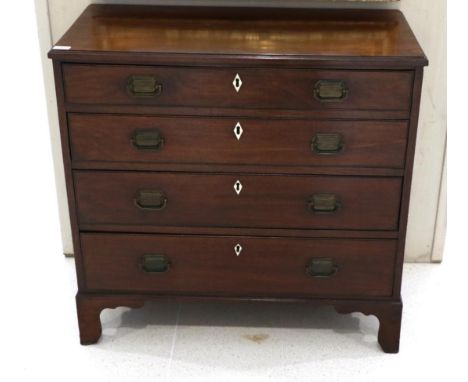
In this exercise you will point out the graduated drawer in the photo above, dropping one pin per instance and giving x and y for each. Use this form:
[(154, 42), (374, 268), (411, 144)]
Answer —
[(238, 266), (220, 200), (146, 139), (262, 88)]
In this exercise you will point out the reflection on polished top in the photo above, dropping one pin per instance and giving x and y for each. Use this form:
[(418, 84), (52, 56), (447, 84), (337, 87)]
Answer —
[(242, 31)]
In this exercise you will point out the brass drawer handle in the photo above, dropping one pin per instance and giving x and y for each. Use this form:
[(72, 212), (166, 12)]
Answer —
[(321, 268), (330, 90), (143, 86), (327, 143), (151, 199), (324, 203), (148, 140), (155, 264)]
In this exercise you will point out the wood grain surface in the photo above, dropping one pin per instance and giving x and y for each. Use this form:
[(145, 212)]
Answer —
[(265, 266)]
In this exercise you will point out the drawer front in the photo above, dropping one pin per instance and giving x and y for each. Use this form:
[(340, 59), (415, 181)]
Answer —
[(255, 201), (144, 139), (238, 266), (259, 88)]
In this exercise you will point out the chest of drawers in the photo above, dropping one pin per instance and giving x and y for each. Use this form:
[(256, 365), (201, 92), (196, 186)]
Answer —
[(239, 154)]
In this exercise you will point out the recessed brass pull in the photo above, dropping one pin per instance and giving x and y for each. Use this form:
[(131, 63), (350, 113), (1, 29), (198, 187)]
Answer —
[(321, 268), (151, 199), (324, 203), (327, 143), (143, 86), (155, 263), (148, 140), (330, 90)]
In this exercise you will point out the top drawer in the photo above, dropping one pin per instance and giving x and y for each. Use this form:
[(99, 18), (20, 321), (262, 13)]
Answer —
[(297, 89)]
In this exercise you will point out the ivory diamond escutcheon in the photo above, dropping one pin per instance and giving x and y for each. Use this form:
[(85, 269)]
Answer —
[(238, 130), (237, 249), (238, 187), (237, 83)]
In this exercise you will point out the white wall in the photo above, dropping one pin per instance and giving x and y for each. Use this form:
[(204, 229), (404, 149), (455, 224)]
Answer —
[(45, 42), (428, 20)]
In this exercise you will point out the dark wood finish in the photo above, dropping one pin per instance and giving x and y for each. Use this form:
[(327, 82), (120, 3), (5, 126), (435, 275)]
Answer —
[(108, 138), (265, 267), (389, 316), (232, 231), (89, 310), (280, 54), (255, 61), (239, 169), (245, 112), (388, 313), (406, 191), (272, 89), (211, 201), (68, 174), (224, 34)]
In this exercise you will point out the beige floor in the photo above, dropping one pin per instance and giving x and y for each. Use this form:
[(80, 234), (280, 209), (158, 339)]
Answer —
[(166, 341)]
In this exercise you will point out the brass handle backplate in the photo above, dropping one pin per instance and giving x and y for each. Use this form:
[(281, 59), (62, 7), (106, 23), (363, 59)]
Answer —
[(330, 90), (327, 143), (155, 263), (324, 203), (143, 86), (321, 268), (151, 199), (148, 140)]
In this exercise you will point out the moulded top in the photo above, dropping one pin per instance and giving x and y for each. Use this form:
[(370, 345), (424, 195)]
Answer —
[(105, 32)]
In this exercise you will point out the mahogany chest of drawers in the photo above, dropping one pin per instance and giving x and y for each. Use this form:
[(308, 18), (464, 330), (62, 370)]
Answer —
[(231, 153)]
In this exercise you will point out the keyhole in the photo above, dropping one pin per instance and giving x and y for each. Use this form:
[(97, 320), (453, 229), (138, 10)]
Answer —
[(237, 83), (238, 187), (238, 130), (237, 249)]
